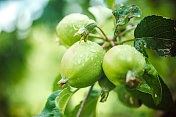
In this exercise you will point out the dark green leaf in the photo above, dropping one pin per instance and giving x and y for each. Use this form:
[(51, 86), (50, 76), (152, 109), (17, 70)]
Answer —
[(110, 3), (155, 87), (151, 83), (157, 33), (55, 86), (89, 109), (144, 87), (125, 13), (166, 103), (62, 99), (126, 97), (50, 109)]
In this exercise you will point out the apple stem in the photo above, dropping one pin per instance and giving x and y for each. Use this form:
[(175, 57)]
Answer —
[(105, 44), (84, 101), (124, 32), (121, 42), (99, 36), (96, 36), (107, 39)]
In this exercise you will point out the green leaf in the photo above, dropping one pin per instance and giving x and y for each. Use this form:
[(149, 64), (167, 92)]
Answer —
[(89, 109), (166, 103), (50, 109), (110, 3), (155, 87), (126, 98), (144, 87), (156, 33), (55, 86), (151, 83), (125, 13), (63, 98)]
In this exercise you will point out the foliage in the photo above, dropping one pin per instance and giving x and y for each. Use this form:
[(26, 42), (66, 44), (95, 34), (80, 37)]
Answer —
[(151, 84), (62, 99), (150, 89), (166, 103), (156, 33), (90, 106), (124, 14), (26, 76), (50, 108), (144, 87)]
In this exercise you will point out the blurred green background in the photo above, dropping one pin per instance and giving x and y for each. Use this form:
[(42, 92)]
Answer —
[(30, 54)]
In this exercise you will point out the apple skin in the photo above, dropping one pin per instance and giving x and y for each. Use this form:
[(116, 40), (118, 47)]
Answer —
[(123, 61), (68, 26), (81, 65)]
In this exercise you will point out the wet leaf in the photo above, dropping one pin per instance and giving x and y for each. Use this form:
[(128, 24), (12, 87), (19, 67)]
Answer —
[(156, 33), (89, 109), (125, 13)]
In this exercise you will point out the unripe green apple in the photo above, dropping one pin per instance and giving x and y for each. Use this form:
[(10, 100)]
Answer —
[(68, 26), (81, 65), (122, 64)]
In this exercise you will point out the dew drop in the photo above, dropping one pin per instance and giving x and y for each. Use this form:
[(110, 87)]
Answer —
[(92, 51)]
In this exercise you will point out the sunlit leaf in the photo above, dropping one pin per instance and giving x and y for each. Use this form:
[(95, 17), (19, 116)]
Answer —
[(89, 109), (156, 33), (62, 99), (50, 109)]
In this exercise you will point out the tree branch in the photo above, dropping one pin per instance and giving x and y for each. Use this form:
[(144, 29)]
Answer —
[(84, 101), (99, 36)]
